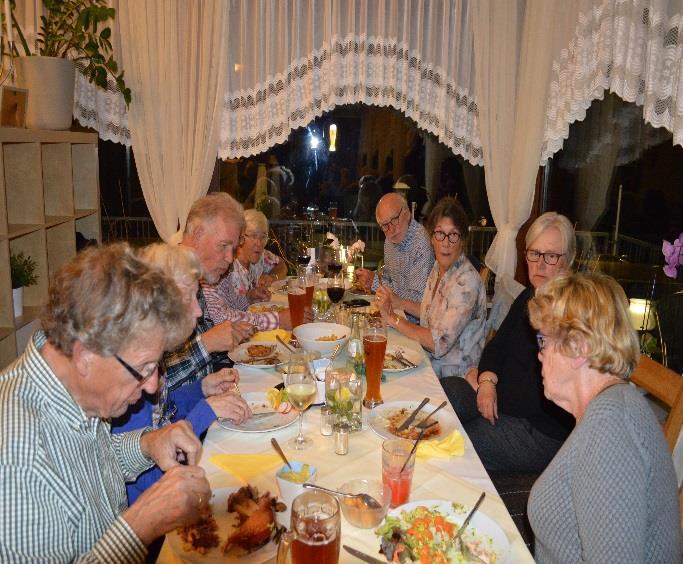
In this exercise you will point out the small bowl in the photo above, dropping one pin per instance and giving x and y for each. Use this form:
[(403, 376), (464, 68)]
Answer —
[(356, 513), (289, 490), (308, 333)]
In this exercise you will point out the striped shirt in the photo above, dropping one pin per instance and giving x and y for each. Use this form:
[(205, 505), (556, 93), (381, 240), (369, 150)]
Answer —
[(62, 473), (220, 308), (407, 265)]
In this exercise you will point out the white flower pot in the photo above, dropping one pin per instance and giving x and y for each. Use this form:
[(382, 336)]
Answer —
[(50, 83), (18, 301)]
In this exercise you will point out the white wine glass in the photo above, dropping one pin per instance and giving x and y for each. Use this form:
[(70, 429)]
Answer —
[(301, 390)]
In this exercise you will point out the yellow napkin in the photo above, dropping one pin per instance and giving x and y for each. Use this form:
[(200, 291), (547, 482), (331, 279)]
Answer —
[(452, 445), (270, 335), (245, 467)]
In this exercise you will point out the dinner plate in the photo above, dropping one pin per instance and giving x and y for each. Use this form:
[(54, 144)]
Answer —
[(379, 418), (481, 528), (241, 356), (266, 307), (409, 354), (280, 285), (259, 404), (225, 522)]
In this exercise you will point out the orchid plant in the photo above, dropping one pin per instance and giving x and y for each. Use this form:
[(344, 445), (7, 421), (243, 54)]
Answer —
[(357, 248), (673, 255)]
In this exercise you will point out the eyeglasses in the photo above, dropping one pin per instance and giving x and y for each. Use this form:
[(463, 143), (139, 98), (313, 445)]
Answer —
[(549, 258), (453, 237), (542, 341), (263, 238), (141, 378), (393, 222)]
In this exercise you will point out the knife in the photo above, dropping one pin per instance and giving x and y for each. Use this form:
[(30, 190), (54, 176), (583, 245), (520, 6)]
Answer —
[(263, 414), (362, 556), (412, 416)]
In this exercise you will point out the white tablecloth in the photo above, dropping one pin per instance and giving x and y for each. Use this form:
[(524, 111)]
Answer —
[(458, 479)]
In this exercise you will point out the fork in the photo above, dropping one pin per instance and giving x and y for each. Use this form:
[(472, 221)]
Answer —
[(422, 424), (399, 356)]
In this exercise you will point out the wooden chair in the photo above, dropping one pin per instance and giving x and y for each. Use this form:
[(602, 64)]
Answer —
[(667, 386)]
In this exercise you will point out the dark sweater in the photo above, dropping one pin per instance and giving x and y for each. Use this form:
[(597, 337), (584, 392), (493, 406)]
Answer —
[(513, 356)]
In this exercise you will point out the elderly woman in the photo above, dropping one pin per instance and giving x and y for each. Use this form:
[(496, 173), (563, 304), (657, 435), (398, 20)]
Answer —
[(199, 402), (453, 310), (512, 426), (108, 319), (609, 495)]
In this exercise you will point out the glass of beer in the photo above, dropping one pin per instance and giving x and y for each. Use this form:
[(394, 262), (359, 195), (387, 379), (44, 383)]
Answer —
[(315, 531), (296, 296), (301, 389), (374, 347)]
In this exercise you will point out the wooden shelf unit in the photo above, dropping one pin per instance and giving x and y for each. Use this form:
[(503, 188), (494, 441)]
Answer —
[(49, 189)]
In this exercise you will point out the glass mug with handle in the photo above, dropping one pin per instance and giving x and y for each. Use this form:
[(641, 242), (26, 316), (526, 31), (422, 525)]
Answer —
[(315, 531)]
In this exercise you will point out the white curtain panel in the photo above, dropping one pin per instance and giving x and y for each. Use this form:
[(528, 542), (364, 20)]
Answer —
[(511, 39), (173, 53), (630, 47), (292, 60)]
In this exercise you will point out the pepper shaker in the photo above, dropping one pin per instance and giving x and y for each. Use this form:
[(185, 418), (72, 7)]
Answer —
[(326, 420), (341, 438)]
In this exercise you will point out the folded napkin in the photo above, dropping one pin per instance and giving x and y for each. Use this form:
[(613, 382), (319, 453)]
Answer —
[(270, 335), (452, 445), (245, 467)]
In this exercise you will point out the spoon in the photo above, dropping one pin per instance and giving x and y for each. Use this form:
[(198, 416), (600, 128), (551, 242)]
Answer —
[(277, 448), (412, 451), (369, 501), (335, 352)]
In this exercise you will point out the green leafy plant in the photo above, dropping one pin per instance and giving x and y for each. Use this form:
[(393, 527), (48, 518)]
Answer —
[(75, 29), (22, 270)]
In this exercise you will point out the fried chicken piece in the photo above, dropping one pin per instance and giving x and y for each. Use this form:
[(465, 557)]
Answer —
[(256, 519)]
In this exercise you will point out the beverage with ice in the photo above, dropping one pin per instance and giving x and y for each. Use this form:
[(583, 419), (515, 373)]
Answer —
[(399, 479), (343, 394)]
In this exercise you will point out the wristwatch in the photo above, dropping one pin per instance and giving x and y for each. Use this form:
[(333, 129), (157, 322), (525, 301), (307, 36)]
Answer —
[(493, 379)]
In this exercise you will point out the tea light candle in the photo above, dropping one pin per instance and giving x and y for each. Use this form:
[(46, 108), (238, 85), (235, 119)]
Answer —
[(642, 314)]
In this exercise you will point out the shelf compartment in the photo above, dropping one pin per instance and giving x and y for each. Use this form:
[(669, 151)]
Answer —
[(85, 178), (61, 246), (23, 183), (89, 226), (33, 245), (3, 200), (57, 179), (6, 312)]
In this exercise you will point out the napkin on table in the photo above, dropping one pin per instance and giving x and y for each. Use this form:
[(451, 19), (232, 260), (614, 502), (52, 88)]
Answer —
[(245, 467), (271, 335), (452, 445)]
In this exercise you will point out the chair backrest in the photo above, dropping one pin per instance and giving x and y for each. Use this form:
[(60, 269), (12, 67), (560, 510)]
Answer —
[(667, 387)]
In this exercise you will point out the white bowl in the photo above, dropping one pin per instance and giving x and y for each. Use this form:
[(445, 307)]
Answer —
[(307, 334)]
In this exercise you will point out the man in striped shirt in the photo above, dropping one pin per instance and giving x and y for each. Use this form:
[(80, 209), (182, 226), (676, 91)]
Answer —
[(408, 254), (62, 473)]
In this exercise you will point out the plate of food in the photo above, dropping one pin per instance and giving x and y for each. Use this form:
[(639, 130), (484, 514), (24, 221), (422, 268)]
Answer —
[(260, 354), (280, 285), (398, 358), (422, 530), (266, 307), (385, 420), (268, 414), (240, 528)]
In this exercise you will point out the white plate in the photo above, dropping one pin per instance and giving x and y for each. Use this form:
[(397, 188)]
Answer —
[(409, 354), (225, 521), (258, 403), (481, 527), (241, 356), (378, 418), (280, 285), (266, 307)]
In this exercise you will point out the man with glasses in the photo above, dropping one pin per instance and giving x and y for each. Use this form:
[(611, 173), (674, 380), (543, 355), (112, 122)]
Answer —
[(62, 474), (213, 229), (408, 255)]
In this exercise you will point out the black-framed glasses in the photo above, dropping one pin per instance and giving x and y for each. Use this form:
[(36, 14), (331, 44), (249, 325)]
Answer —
[(393, 222), (141, 378), (255, 237), (542, 341), (549, 258), (453, 237)]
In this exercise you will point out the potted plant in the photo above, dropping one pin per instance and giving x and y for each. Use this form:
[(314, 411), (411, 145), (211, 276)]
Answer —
[(71, 32), (23, 273)]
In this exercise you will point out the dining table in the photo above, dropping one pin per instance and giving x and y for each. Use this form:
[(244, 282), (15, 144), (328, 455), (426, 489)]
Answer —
[(458, 479)]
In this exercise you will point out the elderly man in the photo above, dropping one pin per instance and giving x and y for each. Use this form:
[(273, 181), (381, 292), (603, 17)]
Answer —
[(212, 231), (62, 493), (408, 255)]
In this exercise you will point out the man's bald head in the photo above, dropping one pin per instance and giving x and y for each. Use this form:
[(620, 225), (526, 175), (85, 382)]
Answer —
[(393, 216)]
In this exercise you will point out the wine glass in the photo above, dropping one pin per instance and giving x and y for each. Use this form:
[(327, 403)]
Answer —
[(301, 390), (335, 291)]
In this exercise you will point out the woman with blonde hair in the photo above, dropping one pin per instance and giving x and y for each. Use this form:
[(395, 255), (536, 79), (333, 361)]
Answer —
[(609, 495), (199, 402)]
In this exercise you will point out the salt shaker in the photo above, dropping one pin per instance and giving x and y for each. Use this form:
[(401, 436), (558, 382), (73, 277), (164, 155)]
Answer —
[(326, 420), (341, 438)]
